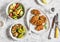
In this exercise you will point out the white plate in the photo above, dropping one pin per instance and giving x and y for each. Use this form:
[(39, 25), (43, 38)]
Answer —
[(32, 27), (49, 2)]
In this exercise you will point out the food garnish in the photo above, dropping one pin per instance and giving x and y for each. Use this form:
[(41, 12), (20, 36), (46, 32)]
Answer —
[(45, 26)]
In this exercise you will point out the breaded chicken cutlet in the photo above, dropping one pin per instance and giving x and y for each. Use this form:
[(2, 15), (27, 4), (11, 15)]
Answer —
[(42, 18), (35, 12), (38, 28), (34, 19)]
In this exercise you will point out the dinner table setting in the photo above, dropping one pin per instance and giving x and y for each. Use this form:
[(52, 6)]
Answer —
[(29, 20)]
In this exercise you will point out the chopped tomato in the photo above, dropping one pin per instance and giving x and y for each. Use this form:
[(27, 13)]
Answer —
[(17, 4), (10, 14)]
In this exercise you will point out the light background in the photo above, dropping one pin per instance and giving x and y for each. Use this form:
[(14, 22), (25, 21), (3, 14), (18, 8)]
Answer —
[(4, 35)]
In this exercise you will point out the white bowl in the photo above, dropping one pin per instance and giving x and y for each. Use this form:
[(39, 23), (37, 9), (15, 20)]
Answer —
[(39, 1), (25, 36), (8, 7)]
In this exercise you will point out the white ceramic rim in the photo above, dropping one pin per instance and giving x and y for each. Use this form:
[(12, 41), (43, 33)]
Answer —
[(39, 1)]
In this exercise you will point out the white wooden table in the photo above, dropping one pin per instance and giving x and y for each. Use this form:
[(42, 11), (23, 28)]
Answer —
[(4, 35)]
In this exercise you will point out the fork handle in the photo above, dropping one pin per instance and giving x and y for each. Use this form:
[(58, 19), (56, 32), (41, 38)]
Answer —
[(49, 34)]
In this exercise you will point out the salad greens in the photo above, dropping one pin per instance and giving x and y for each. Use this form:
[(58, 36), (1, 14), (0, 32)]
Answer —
[(16, 10)]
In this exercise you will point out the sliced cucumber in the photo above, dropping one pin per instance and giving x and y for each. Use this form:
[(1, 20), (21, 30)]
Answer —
[(14, 17), (20, 36), (24, 30), (21, 13), (20, 30)]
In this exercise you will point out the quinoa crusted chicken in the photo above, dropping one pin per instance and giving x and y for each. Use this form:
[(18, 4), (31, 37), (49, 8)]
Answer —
[(38, 20)]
